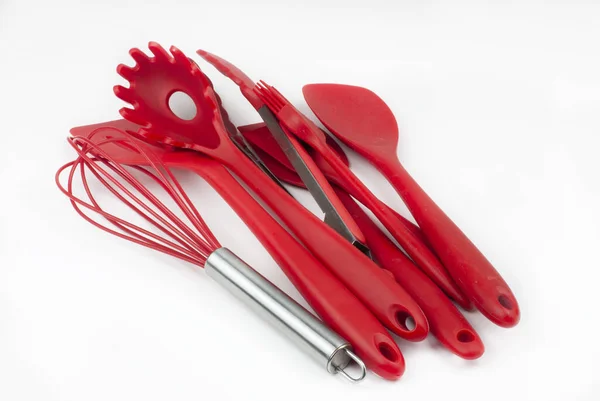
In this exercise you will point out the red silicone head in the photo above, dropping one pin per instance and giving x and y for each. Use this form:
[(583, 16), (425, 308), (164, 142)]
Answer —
[(152, 82), (242, 80)]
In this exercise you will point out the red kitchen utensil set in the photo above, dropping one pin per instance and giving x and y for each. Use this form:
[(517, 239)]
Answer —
[(354, 277)]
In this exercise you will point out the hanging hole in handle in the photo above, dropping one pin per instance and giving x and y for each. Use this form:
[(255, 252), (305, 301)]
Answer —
[(465, 336), (388, 352), (405, 320), (505, 301), (182, 105)]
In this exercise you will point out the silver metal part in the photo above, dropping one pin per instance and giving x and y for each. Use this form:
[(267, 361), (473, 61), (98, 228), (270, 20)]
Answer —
[(246, 148), (274, 305), (332, 217)]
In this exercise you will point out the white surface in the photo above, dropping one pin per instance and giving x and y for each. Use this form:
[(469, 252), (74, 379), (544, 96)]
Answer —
[(498, 111)]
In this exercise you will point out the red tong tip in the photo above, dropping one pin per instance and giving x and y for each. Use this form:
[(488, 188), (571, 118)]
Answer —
[(269, 95)]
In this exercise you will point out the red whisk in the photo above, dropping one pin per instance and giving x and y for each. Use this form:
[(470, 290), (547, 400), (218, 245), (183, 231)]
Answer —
[(188, 238)]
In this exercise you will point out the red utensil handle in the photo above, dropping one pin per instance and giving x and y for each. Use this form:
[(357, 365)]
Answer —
[(436, 272), (334, 178), (333, 302), (416, 249), (412, 227), (473, 273), (446, 323), (389, 302)]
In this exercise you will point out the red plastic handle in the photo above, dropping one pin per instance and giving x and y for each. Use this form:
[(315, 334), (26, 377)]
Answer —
[(389, 302), (446, 323), (473, 273), (440, 275), (434, 270), (409, 241), (336, 305)]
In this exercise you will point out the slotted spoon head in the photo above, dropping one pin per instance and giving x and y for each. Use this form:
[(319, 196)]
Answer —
[(356, 116), (152, 81)]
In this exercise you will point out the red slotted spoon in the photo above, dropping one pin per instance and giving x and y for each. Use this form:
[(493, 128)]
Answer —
[(362, 120)]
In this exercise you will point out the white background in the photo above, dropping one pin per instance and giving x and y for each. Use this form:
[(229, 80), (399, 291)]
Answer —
[(498, 108)]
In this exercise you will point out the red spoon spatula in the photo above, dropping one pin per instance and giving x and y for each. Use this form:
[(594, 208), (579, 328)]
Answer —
[(362, 120)]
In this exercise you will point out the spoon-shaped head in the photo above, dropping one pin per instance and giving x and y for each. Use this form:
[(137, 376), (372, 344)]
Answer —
[(356, 116)]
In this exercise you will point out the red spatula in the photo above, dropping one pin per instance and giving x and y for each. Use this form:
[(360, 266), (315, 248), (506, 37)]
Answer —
[(362, 120)]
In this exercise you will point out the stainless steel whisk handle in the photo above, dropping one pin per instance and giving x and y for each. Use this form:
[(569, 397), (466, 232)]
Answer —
[(274, 305)]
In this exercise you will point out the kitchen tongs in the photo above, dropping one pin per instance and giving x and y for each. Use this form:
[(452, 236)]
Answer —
[(336, 214)]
